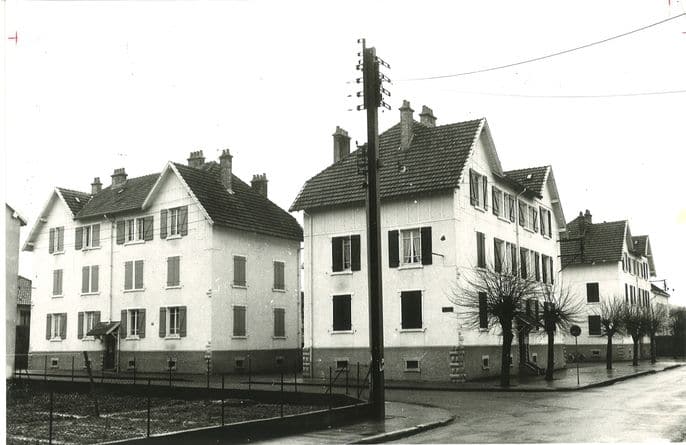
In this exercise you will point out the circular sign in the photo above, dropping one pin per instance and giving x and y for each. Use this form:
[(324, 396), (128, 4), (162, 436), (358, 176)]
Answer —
[(575, 330)]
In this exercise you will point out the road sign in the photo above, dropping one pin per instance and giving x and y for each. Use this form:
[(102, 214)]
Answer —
[(575, 330)]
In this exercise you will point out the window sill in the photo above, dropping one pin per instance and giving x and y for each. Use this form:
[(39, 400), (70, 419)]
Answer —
[(239, 337), (481, 209), (178, 286), (56, 339), (409, 330), (86, 249), (88, 338), (61, 252), (132, 338), (274, 337), (126, 291), (85, 294), (342, 272), (417, 371), (173, 237), (350, 331), (58, 296), (546, 236), (239, 286), (134, 242), (483, 329), (279, 290), (529, 230), (173, 337), (504, 219), (411, 266), (593, 302)]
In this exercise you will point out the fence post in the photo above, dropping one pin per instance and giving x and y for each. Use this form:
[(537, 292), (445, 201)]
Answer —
[(45, 369), (134, 369), (346, 379), (102, 373), (208, 376), (72, 368), (249, 372), (222, 399), (148, 408), (295, 376), (282, 392), (330, 388), (358, 380), (50, 425), (169, 363)]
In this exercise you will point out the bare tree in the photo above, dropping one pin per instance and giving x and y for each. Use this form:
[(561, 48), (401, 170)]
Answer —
[(561, 309), (656, 319), (634, 321), (611, 314), (494, 300)]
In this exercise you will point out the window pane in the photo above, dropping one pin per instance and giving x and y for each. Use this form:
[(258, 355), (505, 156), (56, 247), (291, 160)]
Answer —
[(239, 271), (411, 310), (346, 252), (279, 322), (341, 313)]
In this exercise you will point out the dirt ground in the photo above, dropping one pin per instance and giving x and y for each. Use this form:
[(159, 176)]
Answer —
[(121, 416)]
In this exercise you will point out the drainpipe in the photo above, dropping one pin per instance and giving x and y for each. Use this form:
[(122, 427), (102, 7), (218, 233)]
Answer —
[(109, 318), (517, 225), (311, 300)]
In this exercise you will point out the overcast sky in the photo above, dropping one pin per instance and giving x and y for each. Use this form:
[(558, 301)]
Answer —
[(93, 86)]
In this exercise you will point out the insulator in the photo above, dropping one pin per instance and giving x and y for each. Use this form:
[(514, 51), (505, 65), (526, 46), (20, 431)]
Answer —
[(382, 63), (359, 67), (359, 94), (385, 105), (358, 80), (384, 78), (385, 91), (360, 107)]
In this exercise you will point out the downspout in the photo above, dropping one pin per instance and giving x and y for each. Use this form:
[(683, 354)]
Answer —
[(517, 225), (109, 318), (311, 300)]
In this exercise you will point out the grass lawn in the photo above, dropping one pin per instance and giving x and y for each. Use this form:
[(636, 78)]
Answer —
[(121, 416)]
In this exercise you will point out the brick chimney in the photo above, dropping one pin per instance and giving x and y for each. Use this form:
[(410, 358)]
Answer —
[(225, 162), (196, 159), (259, 184), (427, 117), (405, 125), (588, 217), (119, 176), (341, 144), (96, 186)]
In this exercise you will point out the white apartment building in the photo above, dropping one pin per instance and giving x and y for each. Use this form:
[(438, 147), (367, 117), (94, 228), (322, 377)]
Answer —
[(172, 267), (447, 208)]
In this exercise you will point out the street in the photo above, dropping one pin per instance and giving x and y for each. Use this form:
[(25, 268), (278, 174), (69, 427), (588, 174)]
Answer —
[(643, 409)]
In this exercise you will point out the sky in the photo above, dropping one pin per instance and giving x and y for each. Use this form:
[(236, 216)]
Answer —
[(90, 86)]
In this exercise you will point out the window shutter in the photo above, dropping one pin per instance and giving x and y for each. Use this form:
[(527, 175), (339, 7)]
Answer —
[(537, 312), (542, 216), (411, 310), (80, 326), (521, 208), (497, 260), (170, 271), (148, 226), (473, 183), (336, 254), (239, 321), (534, 216), (51, 247), (483, 311), (85, 275), (485, 192), (550, 227), (49, 325), (426, 245), (55, 282), (393, 249), (537, 261), (522, 260), (121, 228), (182, 321), (141, 323), (63, 326), (279, 329), (95, 278), (60, 239), (494, 201), (163, 224), (280, 272), (78, 238), (183, 220), (96, 318), (552, 271), (139, 274), (95, 241), (480, 254), (341, 313), (355, 263), (128, 275), (512, 207), (163, 322), (122, 324)]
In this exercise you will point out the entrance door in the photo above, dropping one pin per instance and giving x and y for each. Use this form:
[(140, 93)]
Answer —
[(110, 349)]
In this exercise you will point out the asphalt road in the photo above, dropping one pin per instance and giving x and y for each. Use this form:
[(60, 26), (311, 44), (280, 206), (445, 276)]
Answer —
[(644, 409)]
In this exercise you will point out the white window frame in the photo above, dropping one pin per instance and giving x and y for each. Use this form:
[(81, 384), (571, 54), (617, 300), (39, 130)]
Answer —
[(55, 327), (346, 251), (56, 241), (544, 222), (131, 326), (480, 197), (90, 281), (87, 233), (88, 324), (134, 232), (485, 362), (415, 253), (176, 327), (174, 227), (418, 369)]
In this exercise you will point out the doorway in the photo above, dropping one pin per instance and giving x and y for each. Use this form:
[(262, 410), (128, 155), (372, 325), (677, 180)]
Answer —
[(110, 351)]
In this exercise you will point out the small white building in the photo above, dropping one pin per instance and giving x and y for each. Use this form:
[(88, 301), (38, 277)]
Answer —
[(602, 261), (174, 266), (13, 223), (447, 207)]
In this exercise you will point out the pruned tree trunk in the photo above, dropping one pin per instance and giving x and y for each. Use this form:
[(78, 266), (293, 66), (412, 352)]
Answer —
[(505, 359), (550, 368), (608, 353), (653, 352), (635, 360)]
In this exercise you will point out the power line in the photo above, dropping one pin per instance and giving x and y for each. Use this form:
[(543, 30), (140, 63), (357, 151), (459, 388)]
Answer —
[(536, 59), (571, 96)]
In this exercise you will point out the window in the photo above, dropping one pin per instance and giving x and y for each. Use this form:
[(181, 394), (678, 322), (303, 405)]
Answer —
[(537, 266), (345, 253), (478, 190), (411, 310), (173, 222), (447, 309), (239, 329), (412, 246), (279, 275), (173, 271), (509, 202), (57, 282), (546, 222), (86, 322), (480, 250), (133, 275), (239, 270), (632, 293), (87, 237), (89, 279), (483, 310), (528, 216), (626, 293), (342, 313), (524, 259), (498, 254), (341, 365), (498, 207), (412, 365), (415, 247), (279, 322), (56, 242), (592, 293), (239, 363), (54, 362), (533, 218), (546, 267), (511, 251), (485, 362), (172, 322), (594, 325), (135, 230), (56, 328), (522, 214), (132, 323), (24, 318)]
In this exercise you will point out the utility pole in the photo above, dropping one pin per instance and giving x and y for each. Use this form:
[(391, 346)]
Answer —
[(373, 91)]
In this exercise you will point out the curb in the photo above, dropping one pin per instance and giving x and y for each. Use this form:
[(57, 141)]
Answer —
[(410, 431)]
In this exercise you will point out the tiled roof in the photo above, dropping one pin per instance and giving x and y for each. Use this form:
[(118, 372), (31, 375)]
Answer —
[(24, 290), (75, 200), (126, 197), (532, 178), (640, 243), (245, 209), (434, 161), (659, 291), (598, 243)]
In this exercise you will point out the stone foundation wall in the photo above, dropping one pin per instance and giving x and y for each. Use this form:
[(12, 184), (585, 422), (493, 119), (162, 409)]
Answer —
[(36, 361), (264, 361), (620, 352)]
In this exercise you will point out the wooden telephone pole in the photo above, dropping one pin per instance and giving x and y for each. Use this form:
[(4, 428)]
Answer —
[(373, 92)]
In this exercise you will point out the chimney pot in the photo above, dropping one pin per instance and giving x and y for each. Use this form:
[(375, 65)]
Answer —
[(259, 184), (588, 217), (196, 159), (119, 176), (406, 121), (427, 117), (225, 164), (96, 186), (341, 144)]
